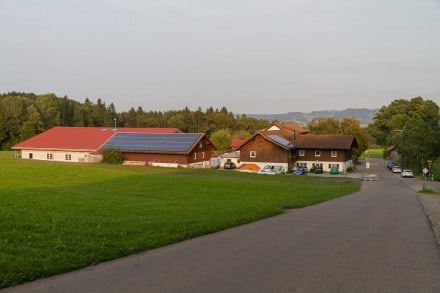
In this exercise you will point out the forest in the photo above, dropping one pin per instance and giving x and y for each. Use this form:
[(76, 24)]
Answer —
[(23, 115)]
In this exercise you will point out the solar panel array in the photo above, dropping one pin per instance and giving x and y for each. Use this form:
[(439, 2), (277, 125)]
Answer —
[(168, 142), (282, 141)]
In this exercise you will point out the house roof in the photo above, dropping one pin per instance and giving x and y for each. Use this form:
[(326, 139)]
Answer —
[(391, 148), (237, 142), (281, 141), (335, 142), (80, 138), (278, 140), (292, 126), (285, 130), (154, 142)]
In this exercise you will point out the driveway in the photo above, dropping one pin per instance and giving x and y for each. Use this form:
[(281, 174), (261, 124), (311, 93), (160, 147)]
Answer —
[(375, 240)]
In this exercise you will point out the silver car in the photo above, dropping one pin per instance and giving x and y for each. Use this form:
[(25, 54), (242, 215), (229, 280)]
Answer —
[(396, 169), (407, 173)]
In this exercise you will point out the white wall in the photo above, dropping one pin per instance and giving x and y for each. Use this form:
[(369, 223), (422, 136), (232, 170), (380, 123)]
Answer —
[(60, 156), (325, 165)]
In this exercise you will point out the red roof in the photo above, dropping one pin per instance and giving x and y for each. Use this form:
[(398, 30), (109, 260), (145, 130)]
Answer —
[(80, 138), (237, 142)]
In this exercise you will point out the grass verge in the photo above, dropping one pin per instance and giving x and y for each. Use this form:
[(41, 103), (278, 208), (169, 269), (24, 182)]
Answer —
[(429, 191), (58, 217)]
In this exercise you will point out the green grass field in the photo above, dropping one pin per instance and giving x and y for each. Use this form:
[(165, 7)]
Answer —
[(372, 153), (58, 217)]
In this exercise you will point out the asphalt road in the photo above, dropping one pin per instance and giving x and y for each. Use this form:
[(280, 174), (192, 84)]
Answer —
[(376, 240)]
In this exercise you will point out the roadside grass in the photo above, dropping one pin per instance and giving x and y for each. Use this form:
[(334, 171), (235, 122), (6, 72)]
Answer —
[(429, 191), (57, 217)]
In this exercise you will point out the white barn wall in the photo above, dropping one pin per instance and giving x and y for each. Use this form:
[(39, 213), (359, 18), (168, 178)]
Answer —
[(60, 156), (325, 165)]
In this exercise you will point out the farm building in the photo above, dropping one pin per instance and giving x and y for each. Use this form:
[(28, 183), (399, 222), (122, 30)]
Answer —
[(163, 149), (75, 144), (290, 146), (325, 151)]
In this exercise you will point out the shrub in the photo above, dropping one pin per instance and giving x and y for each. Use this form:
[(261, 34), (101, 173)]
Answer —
[(112, 156), (435, 169)]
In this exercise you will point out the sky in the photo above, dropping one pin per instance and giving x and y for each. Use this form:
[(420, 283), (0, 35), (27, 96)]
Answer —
[(251, 56)]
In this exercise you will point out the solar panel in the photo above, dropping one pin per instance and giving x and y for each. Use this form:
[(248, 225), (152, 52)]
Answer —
[(170, 142), (281, 141)]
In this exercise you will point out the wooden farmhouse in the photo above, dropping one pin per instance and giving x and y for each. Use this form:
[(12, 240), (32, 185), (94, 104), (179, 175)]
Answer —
[(163, 149), (325, 151), (291, 146)]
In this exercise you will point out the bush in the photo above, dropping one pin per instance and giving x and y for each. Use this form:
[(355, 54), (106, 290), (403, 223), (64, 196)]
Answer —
[(112, 156), (435, 169)]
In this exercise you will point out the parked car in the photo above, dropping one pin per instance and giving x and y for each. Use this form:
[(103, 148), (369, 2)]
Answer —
[(215, 163), (396, 169), (334, 170), (390, 165), (407, 173), (300, 171), (317, 170), (229, 165), (272, 170)]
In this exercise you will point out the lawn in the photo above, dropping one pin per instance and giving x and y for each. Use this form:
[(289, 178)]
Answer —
[(372, 153), (58, 217)]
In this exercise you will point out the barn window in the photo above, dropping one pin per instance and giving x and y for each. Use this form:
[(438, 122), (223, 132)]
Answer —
[(68, 157), (334, 154), (317, 153), (200, 144), (195, 156), (31, 155), (301, 153), (252, 154), (49, 156), (203, 155)]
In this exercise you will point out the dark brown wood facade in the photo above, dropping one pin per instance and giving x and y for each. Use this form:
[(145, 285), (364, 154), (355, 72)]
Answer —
[(259, 149), (325, 155), (200, 152)]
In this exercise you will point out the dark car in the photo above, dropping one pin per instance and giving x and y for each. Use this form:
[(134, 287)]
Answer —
[(316, 170), (229, 165), (390, 165)]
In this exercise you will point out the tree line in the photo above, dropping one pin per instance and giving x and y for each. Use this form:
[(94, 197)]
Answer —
[(23, 115), (413, 127)]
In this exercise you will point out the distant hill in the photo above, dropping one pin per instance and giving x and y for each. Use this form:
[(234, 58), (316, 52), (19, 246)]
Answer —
[(365, 116)]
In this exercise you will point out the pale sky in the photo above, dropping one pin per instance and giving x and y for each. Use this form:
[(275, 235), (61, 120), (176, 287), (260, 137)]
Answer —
[(252, 56)]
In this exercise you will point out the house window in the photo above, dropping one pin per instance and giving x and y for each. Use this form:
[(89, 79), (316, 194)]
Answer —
[(49, 156), (31, 155), (301, 153), (317, 153), (252, 154), (334, 154), (203, 155), (68, 157), (200, 144), (195, 156)]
